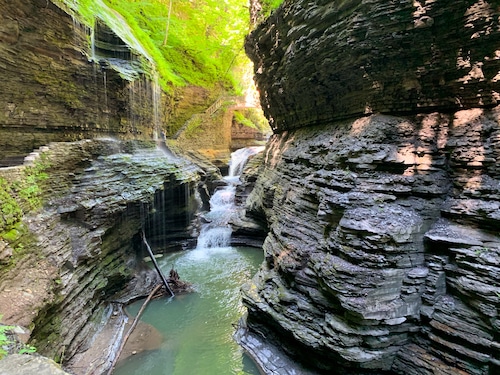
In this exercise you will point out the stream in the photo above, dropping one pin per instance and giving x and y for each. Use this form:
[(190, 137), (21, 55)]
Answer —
[(197, 328)]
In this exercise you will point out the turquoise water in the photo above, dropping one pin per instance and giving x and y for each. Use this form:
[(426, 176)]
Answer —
[(198, 327)]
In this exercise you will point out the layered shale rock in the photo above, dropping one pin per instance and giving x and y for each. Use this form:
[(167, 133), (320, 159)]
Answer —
[(53, 89), (86, 243), (323, 60), (383, 244)]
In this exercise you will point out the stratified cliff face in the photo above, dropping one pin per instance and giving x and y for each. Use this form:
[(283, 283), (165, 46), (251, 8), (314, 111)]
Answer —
[(86, 244), (50, 91), (323, 60), (383, 249)]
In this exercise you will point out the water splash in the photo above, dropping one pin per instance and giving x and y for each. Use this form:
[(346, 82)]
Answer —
[(216, 231)]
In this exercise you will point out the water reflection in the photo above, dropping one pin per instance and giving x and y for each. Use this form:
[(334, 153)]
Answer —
[(198, 327)]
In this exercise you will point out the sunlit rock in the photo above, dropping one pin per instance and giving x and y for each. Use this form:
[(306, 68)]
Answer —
[(380, 187)]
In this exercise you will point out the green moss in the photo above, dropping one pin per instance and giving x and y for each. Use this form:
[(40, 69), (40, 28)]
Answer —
[(12, 235), (4, 339), (29, 189), (204, 41), (11, 212), (241, 119), (64, 91), (268, 6), (19, 197), (252, 118), (193, 127)]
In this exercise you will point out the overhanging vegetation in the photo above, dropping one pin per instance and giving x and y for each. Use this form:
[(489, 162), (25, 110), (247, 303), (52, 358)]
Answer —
[(190, 42)]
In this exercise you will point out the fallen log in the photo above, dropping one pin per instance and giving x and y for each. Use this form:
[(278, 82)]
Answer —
[(153, 259), (132, 327)]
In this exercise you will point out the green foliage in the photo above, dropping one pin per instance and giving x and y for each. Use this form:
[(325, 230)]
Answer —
[(21, 196), (252, 118), (193, 127), (10, 211), (241, 119), (5, 342), (205, 37), (27, 349), (4, 339), (29, 188), (269, 5)]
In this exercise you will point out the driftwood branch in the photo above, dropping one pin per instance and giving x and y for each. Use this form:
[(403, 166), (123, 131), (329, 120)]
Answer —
[(152, 256), (132, 327)]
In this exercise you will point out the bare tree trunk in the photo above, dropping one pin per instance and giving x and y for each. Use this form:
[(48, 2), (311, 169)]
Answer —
[(132, 327)]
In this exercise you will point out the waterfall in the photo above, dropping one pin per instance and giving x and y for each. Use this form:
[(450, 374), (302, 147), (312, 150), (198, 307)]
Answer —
[(156, 101), (239, 159), (216, 231)]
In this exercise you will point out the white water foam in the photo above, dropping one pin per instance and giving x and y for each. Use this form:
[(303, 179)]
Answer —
[(216, 232)]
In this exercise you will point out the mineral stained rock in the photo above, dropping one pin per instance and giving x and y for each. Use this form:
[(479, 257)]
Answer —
[(380, 187)]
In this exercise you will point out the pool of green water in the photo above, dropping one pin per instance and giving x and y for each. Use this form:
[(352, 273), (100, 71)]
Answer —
[(198, 327)]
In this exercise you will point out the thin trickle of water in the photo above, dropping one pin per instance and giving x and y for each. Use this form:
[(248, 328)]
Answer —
[(105, 91), (131, 116), (92, 45), (156, 97), (216, 232), (143, 95)]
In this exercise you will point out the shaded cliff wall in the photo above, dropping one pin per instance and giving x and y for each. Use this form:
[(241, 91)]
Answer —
[(85, 244), (50, 91), (381, 187)]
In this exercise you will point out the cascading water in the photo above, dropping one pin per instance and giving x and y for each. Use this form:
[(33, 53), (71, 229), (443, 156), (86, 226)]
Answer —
[(198, 327), (216, 231)]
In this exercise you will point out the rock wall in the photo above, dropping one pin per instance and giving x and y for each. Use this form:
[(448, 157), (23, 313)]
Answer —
[(50, 91), (323, 60), (380, 188), (85, 244)]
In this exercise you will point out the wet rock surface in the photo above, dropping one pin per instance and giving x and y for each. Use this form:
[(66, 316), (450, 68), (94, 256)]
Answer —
[(51, 90), (380, 187), (87, 244), (382, 252), (248, 230)]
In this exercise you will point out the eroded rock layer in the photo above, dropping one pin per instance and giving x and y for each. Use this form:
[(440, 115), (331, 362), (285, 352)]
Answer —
[(379, 253), (86, 244), (322, 60), (50, 91), (383, 248)]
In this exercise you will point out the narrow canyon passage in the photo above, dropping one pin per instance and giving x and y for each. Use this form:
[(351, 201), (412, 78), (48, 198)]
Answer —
[(198, 327), (373, 211)]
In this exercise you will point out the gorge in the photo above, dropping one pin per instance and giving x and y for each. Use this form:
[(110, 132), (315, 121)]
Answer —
[(376, 200)]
